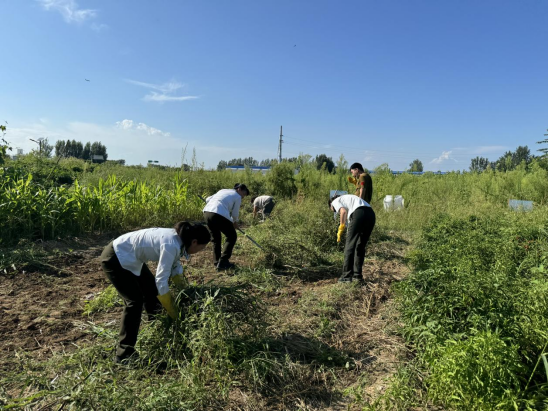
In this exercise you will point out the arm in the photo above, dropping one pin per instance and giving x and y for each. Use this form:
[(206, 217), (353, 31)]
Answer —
[(165, 264), (235, 211), (342, 216), (255, 211), (342, 220)]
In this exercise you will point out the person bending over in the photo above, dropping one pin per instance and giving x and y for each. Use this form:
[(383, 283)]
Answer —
[(221, 216), (264, 205), (360, 219), (124, 263)]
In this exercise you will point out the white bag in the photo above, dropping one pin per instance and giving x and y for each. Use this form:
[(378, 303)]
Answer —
[(396, 203)]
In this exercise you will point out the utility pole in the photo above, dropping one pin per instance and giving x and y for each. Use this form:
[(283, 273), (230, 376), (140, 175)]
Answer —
[(280, 147)]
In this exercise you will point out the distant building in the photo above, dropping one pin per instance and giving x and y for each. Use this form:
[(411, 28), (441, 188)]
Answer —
[(255, 169), (98, 159)]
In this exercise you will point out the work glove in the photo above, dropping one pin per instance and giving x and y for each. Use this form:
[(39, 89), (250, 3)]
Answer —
[(180, 281), (351, 179), (340, 232), (167, 302)]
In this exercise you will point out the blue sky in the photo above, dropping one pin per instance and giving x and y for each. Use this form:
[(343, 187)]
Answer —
[(377, 81)]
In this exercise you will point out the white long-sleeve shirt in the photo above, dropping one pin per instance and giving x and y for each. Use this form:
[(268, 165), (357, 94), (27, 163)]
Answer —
[(156, 244), (226, 203), (349, 202)]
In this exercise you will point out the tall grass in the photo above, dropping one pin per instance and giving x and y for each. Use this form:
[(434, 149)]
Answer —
[(29, 210), (475, 308)]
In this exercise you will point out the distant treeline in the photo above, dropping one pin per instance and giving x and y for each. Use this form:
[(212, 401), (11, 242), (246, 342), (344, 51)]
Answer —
[(319, 160), (507, 162), (72, 148), (510, 160)]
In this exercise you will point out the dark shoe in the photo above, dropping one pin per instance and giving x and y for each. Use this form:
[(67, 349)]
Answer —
[(128, 360), (357, 278), (225, 266), (345, 280)]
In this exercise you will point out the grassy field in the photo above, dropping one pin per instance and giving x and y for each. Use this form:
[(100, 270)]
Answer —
[(453, 314)]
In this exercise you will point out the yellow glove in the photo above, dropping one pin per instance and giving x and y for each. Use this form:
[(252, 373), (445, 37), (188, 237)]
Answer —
[(351, 179), (340, 232), (167, 302), (180, 281)]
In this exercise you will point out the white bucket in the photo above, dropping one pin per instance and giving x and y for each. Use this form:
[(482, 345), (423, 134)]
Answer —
[(388, 202)]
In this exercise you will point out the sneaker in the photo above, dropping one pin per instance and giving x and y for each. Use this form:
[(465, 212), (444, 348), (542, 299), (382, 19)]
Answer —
[(225, 265)]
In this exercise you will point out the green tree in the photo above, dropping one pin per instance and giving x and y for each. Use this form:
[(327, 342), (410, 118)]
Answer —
[(280, 180), (47, 148), (416, 166), (479, 164), (4, 145), (324, 161), (97, 149), (86, 151), (543, 150)]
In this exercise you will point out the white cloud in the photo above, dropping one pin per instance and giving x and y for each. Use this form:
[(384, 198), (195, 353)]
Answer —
[(127, 139), (161, 97), (168, 87), (166, 90), (129, 125), (69, 10), (444, 156)]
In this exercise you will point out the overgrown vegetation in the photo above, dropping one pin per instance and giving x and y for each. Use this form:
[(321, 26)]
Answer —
[(279, 333), (476, 310)]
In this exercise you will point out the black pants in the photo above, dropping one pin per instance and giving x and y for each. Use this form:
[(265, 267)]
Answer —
[(217, 225), (136, 292), (361, 224), (269, 208)]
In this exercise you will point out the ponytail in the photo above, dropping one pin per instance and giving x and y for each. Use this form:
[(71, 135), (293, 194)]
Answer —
[(188, 232)]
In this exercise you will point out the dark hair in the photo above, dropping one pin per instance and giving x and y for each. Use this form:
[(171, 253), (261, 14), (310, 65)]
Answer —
[(357, 166), (242, 187), (188, 232), (334, 197), (253, 199)]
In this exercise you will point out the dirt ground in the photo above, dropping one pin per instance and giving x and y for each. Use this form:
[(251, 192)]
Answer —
[(41, 305)]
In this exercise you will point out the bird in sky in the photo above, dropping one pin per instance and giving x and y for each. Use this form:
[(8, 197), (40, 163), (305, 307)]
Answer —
[(295, 45), (86, 80)]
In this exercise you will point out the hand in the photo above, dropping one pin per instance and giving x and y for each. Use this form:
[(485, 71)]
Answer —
[(235, 225), (167, 302), (340, 232), (180, 281)]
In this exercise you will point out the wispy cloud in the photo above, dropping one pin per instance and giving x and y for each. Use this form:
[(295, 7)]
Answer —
[(158, 97), (69, 9), (444, 156), (162, 92)]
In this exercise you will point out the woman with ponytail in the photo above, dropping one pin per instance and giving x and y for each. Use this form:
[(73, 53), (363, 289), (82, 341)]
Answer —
[(221, 215), (124, 263)]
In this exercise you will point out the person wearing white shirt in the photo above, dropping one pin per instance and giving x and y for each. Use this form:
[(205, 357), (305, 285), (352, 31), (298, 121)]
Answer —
[(124, 263), (221, 215), (263, 204), (360, 219)]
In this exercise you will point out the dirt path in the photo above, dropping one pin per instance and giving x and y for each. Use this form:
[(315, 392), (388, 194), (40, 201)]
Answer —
[(41, 309), (41, 304)]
